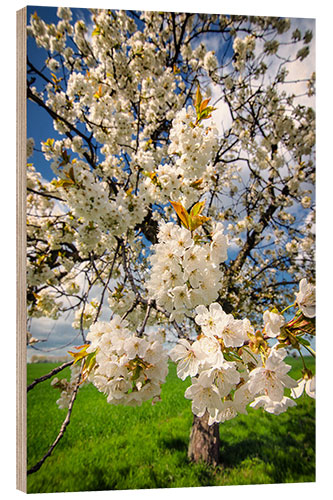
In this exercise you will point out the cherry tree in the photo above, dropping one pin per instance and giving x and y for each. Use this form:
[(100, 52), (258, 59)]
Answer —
[(181, 212)]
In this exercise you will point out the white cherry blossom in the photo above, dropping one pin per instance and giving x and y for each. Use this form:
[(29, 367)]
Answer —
[(129, 369), (208, 351), (272, 379), (226, 412), (272, 323), (203, 398), (186, 357), (307, 384), (234, 331), (306, 298), (211, 320), (272, 406), (224, 378)]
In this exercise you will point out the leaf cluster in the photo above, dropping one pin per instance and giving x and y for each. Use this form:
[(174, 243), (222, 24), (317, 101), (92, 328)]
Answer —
[(201, 107), (191, 220)]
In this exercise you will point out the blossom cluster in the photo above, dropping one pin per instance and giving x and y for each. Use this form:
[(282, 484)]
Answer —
[(129, 369), (306, 298), (85, 315), (244, 50), (228, 371), (214, 376), (185, 268), (66, 387), (190, 169), (193, 148)]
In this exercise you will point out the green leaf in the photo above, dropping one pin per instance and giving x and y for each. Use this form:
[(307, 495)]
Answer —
[(197, 221), (198, 208), (303, 341), (198, 99), (49, 143), (63, 183), (136, 373), (96, 31), (231, 356), (280, 346)]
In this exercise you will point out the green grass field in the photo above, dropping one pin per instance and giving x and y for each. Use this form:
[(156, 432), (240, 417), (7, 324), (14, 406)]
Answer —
[(117, 448)]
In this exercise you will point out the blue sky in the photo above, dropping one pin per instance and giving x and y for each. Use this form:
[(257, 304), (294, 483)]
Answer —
[(39, 124)]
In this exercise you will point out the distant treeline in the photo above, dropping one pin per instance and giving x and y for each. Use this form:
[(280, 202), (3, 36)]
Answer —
[(48, 359)]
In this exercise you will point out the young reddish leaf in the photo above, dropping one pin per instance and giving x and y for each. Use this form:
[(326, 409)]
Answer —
[(196, 184), (77, 347), (182, 213), (99, 92), (70, 174), (65, 158), (203, 105), (81, 354)]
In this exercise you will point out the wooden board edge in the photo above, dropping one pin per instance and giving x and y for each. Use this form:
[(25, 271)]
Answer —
[(21, 348)]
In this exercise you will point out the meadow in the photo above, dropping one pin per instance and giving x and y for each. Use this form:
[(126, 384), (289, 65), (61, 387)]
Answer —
[(118, 448)]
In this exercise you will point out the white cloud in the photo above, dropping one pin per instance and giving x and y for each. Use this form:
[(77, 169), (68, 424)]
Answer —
[(297, 70), (57, 336)]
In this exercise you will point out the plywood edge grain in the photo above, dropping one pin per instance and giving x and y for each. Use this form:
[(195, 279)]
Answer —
[(21, 349)]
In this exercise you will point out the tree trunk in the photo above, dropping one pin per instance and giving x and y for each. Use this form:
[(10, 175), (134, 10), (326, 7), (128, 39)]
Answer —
[(204, 441)]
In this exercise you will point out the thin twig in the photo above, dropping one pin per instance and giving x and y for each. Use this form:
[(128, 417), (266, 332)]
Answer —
[(128, 272), (47, 195), (107, 281), (138, 297), (133, 306), (142, 329), (49, 375), (36, 467)]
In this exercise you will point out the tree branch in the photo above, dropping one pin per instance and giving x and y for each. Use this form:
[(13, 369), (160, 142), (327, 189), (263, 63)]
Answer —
[(38, 465), (49, 375), (47, 195)]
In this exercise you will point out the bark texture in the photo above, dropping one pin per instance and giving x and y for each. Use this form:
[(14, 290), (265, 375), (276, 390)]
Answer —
[(204, 441)]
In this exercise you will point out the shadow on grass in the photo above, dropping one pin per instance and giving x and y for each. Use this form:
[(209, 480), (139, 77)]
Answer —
[(174, 444), (288, 451)]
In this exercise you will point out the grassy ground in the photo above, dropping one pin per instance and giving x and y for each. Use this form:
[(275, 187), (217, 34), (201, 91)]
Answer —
[(107, 447)]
